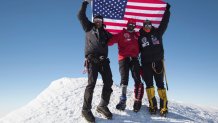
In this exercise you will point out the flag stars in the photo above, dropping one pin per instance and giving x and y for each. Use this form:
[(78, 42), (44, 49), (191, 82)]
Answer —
[(113, 9)]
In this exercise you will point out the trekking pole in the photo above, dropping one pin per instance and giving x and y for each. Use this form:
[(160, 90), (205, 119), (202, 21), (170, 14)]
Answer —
[(165, 75)]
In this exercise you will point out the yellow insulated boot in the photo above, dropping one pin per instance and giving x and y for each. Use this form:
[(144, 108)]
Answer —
[(163, 102), (152, 100)]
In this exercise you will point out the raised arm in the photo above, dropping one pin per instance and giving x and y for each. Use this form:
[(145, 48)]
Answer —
[(86, 24), (164, 23)]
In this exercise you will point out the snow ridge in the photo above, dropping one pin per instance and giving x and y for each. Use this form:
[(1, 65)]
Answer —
[(62, 101)]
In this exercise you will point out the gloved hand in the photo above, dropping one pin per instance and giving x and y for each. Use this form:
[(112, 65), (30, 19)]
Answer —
[(89, 1), (168, 6)]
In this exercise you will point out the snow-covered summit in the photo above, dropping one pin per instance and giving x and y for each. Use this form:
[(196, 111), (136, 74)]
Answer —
[(62, 101)]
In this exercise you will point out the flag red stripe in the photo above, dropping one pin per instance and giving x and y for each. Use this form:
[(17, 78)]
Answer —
[(114, 24), (148, 1), (124, 25), (154, 22), (113, 31), (143, 15), (146, 8)]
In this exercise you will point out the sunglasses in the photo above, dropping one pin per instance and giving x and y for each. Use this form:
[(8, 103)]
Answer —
[(131, 25), (148, 25)]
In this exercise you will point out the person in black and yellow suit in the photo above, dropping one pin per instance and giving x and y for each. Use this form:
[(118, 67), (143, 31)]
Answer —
[(152, 56)]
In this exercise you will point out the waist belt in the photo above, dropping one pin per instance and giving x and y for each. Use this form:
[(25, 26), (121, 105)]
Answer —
[(96, 58), (131, 58)]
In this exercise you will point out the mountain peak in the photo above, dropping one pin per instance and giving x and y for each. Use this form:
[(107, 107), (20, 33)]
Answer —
[(62, 102)]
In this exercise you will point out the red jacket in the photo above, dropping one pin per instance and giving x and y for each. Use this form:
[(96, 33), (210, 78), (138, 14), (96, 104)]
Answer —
[(127, 44)]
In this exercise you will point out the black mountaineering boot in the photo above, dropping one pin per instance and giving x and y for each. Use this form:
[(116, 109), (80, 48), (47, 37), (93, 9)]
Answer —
[(104, 111), (137, 106), (87, 114), (139, 92)]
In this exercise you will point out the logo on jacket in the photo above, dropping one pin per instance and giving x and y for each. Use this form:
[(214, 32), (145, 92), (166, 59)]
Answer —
[(127, 36), (154, 40), (145, 42)]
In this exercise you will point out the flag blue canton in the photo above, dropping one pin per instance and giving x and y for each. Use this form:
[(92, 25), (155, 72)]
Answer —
[(112, 9)]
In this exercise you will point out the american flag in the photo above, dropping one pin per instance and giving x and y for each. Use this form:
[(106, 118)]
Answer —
[(117, 12)]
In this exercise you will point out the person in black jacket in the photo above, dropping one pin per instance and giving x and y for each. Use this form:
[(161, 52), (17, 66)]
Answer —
[(96, 53), (152, 55)]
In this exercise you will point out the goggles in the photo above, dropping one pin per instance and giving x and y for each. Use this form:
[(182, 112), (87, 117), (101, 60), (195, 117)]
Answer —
[(97, 20)]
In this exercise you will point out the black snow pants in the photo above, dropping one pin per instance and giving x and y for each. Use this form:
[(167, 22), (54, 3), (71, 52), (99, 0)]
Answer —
[(153, 70), (129, 63), (98, 65)]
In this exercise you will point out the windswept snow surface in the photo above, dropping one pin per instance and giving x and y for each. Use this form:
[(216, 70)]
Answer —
[(62, 102)]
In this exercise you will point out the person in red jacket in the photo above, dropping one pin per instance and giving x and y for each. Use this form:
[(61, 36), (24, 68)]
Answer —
[(128, 46)]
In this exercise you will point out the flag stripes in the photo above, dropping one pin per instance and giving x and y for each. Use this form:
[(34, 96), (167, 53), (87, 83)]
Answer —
[(140, 10)]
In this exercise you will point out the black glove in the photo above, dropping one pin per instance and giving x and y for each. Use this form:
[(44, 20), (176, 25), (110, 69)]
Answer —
[(168, 6)]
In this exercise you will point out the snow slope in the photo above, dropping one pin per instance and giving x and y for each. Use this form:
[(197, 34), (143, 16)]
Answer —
[(61, 102)]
